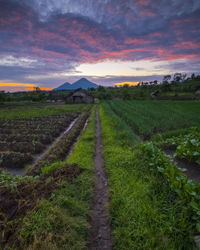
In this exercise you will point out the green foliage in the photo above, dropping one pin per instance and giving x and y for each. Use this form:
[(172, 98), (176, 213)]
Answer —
[(59, 150), (150, 117), (187, 146), (187, 190), (7, 180), (30, 110), (50, 168), (62, 221), (146, 213)]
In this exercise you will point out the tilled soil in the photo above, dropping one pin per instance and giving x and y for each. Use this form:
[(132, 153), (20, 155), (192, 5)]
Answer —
[(60, 148), (15, 203), (100, 235)]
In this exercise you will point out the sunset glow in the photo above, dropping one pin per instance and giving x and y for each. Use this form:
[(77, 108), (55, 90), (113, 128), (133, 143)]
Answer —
[(107, 42), (42, 89), (12, 84), (126, 83)]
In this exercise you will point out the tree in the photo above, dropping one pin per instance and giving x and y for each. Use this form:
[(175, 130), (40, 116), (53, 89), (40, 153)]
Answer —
[(184, 76), (193, 76), (101, 88), (155, 82), (166, 78), (2, 96), (177, 77)]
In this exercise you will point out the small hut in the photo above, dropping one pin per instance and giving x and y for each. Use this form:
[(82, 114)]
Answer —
[(79, 96)]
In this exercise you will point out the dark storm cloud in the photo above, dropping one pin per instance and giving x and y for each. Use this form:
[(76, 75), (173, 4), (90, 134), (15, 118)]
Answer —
[(60, 34)]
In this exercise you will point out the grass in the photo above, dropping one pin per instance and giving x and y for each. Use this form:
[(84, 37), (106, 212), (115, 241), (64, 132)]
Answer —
[(61, 222), (150, 117), (145, 212), (33, 110)]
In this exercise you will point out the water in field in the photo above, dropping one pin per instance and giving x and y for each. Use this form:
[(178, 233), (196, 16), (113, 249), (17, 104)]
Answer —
[(22, 171), (16, 171)]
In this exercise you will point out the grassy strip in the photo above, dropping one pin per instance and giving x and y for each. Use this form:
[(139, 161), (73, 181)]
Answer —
[(61, 221), (146, 212), (59, 150)]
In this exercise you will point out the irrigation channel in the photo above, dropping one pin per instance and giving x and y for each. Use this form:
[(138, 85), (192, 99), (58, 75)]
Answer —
[(100, 234), (37, 157)]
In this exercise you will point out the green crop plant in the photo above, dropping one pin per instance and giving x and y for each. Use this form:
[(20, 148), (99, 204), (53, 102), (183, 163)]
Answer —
[(31, 110), (146, 213), (61, 222), (150, 117)]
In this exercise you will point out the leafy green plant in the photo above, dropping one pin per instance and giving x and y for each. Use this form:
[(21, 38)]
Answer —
[(145, 210), (187, 146), (61, 222), (7, 180), (187, 190)]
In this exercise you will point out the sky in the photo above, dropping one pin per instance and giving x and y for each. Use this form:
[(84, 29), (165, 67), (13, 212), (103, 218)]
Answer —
[(48, 42)]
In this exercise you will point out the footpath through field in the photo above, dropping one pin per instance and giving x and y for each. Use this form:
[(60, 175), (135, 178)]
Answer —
[(100, 235)]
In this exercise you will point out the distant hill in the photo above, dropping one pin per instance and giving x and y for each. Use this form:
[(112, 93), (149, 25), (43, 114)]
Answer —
[(83, 83), (64, 86)]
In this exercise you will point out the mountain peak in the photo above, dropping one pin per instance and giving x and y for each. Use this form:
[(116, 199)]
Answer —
[(82, 83)]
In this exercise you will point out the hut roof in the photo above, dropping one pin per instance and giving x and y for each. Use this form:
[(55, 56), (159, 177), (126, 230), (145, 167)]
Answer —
[(79, 90)]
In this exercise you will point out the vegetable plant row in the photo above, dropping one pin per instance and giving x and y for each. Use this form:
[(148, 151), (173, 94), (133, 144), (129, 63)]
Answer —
[(153, 205), (59, 150), (186, 146), (21, 138), (149, 117), (51, 210)]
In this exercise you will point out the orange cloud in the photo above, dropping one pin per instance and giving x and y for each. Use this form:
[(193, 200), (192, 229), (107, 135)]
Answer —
[(43, 89), (12, 84), (126, 83)]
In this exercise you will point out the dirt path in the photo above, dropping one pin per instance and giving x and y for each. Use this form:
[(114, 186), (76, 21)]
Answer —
[(100, 225)]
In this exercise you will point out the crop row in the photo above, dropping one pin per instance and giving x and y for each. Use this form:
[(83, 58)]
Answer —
[(187, 190), (148, 117), (17, 144), (35, 122), (59, 150), (186, 146), (65, 215), (152, 204)]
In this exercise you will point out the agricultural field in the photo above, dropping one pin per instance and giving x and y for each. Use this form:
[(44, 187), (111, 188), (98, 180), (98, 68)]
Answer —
[(29, 110), (20, 139), (150, 117), (118, 174), (154, 205), (28, 130)]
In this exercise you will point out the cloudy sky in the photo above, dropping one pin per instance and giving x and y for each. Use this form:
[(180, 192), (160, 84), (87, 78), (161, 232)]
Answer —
[(49, 42)]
